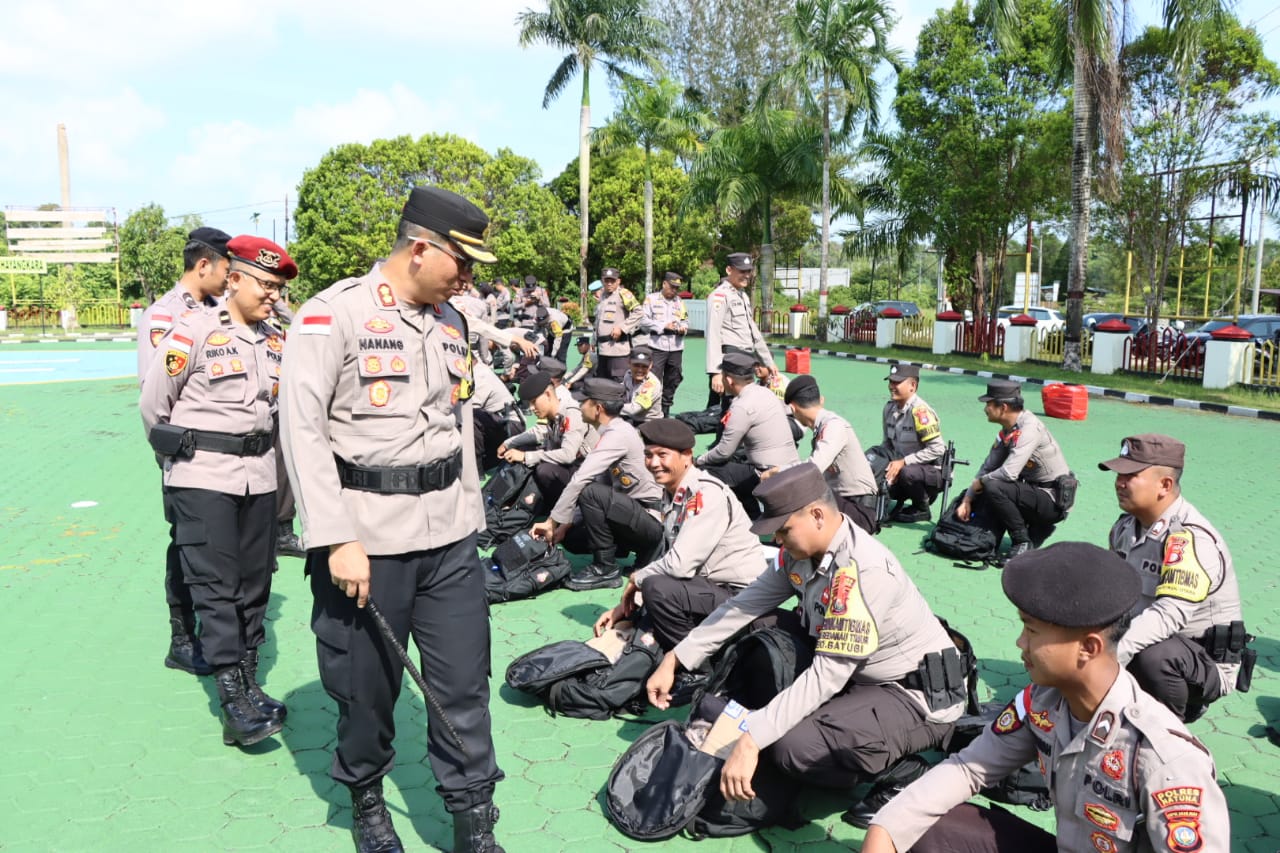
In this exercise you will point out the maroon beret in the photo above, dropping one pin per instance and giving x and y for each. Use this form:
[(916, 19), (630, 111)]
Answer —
[(263, 254)]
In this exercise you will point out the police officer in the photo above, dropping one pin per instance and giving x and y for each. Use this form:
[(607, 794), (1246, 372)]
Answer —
[(204, 279), (533, 295), (1018, 482), (667, 321), (757, 421), (287, 542), (495, 415), (730, 327), (209, 406), (644, 389), (836, 452), (709, 551), (913, 443), (586, 365), (618, 315), (768, 377), (1187, 638), (612, 499), (1123, 772), (559, 331), (554, 445), (862, 705), (377, 426)]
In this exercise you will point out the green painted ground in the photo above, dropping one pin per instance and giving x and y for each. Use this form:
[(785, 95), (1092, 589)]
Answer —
[(106, 750)]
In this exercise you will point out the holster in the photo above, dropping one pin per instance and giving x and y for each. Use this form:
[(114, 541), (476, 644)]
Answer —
[(1064, 490), (1230, 644), (940, 677), (171, 440)]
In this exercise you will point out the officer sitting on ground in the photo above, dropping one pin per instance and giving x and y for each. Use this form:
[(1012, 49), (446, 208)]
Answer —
[(611, 499), (586, 364), (757, 421), (554, 445), (767, 376), (710, 552), (1187, 638), (644, 390), (862, 705), (1123, 772), (1019, 480), (496, 415), (913, 443), (836, 452)]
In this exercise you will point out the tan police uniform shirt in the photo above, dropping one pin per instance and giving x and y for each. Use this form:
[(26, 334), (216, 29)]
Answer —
[(729, 324), (660, 312), (160, 318), (758, 421), (644, 398), (912, 432), (617, 310), (1188, 581), (561, 440), (490, 395), (871, 624), (838, 455), (1131, 779), (379, 384), (218, 377), (616, 459), (585, 368), (707, 534), (1026, 451)]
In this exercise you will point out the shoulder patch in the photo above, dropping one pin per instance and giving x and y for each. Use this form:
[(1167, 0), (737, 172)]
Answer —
[(317, 324), (1181, 575), (1010, 719), (926, 423), (1181, 796), (848, 628)]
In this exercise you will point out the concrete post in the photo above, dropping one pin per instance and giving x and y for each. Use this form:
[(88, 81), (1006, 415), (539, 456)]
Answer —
[(1017, 338), (1227, 362), (886, 331), (945, 330), (1108, 346)]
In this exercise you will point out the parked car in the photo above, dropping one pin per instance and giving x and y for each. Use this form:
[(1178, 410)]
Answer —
[(1047, 319), (1263, 328), (1089, 321), (908, 309)]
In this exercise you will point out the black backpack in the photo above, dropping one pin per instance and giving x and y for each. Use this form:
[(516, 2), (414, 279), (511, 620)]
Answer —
[(976, 540), (705, 421), (522, 567), (663, 784), (1025, 786), (574, 680), (511, 503)]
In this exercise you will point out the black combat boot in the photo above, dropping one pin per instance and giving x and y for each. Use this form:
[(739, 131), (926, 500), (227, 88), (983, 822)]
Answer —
[(184, 648), (473, 830), (242, 723), (371, 822), (886, 786), (272, 708), (287, 542), (602, 573)]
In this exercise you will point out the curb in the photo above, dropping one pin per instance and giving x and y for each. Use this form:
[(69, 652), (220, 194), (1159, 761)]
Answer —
[(1093, 390), (96, 337)]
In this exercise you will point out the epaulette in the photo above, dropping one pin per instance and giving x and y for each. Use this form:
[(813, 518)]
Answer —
[(1160, 729), (224, 317)]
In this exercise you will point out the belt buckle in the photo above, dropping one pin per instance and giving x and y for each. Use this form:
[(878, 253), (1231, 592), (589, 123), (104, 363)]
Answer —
[(253, 444)]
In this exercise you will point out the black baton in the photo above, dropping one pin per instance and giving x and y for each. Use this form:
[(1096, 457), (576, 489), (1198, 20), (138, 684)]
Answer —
[(385, 630)]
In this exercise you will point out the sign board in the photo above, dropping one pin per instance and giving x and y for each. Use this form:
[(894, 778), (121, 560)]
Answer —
[(37, 266), (69, 236)]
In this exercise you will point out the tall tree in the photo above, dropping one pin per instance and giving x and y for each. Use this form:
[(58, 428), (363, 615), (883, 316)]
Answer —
[(838, 45), (618, 35), (151, 250), (1089, 40), (656, 117)]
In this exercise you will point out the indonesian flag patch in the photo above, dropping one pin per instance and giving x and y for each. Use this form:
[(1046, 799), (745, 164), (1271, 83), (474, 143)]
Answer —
[(316, 325)]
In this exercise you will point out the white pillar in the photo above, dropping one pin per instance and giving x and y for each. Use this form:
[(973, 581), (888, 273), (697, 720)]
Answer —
[(1108, 351), (4, 318), (835, 328), (135, 316), (796, 324), (1017, 342), (1227, 363), (886, 331), (944, 336)]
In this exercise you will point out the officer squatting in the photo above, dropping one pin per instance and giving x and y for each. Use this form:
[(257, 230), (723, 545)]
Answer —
[(386, 403)]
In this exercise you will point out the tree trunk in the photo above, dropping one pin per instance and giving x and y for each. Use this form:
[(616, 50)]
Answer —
[(979, 287), (584, 184), (766, 267), (826, 199), (1081, 190), (648, 231)]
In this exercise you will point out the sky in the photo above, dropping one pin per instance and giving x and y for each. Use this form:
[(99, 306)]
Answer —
[(219, 109)]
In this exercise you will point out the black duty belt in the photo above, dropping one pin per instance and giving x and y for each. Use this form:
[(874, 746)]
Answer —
[(253, 444), (408, 480)]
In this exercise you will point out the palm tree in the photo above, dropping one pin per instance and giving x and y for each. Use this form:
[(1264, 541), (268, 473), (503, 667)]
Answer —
[(838, 45), (654, 116), (618, 35), (1089, 48)]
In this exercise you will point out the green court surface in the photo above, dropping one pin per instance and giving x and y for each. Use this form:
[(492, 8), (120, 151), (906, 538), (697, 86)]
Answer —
[(106, 750)]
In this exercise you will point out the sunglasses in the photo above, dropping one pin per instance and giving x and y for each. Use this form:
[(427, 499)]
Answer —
[(464, 262)]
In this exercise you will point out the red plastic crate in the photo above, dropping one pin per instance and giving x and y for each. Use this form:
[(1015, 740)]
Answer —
[(798, 360), (1069, 402)]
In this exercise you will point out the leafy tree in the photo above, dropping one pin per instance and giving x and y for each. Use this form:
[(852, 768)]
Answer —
[(151, 251), (656, 117), (1087, 43), (614, 33), (838, 45)]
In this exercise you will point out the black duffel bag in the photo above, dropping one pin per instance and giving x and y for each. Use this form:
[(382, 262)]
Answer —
[(522, 567), (575, 680)]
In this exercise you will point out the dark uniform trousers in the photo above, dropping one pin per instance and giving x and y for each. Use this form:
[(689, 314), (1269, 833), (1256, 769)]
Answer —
[(612, 366), (860, 510), (490, 431), (677, 605), (857, 735), (668, 366), (918, 483), (227, 546), (285, 508), (176, 593), (1180, 673), (741, 478), (438, 596), (1023, 509), (551, 479), (611, 519), (970, 828)]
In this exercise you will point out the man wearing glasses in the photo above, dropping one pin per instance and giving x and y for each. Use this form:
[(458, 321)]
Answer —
[(377, 430), (618, 316)]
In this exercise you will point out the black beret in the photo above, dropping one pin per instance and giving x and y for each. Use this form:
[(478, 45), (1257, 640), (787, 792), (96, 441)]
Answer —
[(1001, 391), (601, 390), (668, 432), (554, 366), (899, 372), (740, 261), (738, 364), (210, 238), (801, 383), (583, 339), (790, 490), (533, 385), (452, 216), (1072, 584)]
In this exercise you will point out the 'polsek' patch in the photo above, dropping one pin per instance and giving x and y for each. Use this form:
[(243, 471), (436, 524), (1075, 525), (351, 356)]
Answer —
[(848, 630), (927, 426), (1182, 576)]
